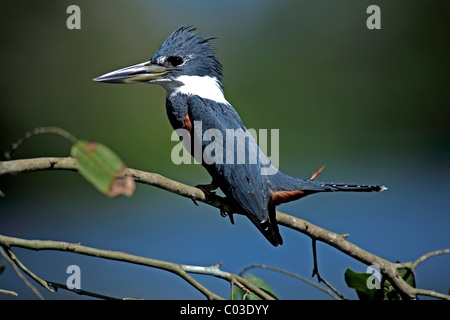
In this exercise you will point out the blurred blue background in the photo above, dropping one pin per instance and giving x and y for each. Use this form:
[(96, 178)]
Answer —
[(373, 106)]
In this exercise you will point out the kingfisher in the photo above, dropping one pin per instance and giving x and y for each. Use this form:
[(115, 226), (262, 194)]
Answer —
[(187, 67)]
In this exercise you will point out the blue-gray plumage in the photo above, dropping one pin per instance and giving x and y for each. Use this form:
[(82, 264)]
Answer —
[(187, 67)]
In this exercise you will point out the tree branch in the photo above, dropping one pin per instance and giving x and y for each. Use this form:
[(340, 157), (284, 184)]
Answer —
[(57, 286), (19, 274), (296, 276), (387, 268), (429, 255), (178, 269), (15, 261)]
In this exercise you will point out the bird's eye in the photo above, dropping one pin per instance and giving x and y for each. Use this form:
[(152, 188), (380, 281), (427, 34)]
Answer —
[(175, 60)]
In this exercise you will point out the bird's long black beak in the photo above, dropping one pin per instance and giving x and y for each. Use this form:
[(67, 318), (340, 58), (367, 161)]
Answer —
[(142, 72)]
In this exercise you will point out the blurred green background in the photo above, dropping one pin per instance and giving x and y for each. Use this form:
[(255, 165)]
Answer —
[(372, 105)]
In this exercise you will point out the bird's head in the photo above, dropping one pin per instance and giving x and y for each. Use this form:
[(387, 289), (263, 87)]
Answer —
[(182, 55)]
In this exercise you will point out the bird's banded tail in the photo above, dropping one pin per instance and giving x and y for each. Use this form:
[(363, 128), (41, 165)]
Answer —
[(353, 187), (285, 188)]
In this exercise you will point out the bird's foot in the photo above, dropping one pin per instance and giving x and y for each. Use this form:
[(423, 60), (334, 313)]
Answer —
[(208, 187), (230, 215)]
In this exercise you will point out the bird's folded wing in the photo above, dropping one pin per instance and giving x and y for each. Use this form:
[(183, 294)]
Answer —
[(242, 181)]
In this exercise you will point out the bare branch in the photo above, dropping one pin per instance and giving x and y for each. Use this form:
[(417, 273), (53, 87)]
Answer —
[(296, 276), (57, 286), (12, 293), (429, 255), (36, 131), (179, 269), (19, 264), (20, 275)]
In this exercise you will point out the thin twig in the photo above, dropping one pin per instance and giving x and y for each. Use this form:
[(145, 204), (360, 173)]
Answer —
[(57, 286), (12, 293), (37, 131), (296, 276), (315, 268), (236, 279), (19, 264), (412, 265), (20, 275), (317, 274), (429, 255)]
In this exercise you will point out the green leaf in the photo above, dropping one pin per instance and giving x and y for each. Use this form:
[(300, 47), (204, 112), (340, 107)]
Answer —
[(102, 168), (238, 293), (389, 291), (358, 281), (408, 276)]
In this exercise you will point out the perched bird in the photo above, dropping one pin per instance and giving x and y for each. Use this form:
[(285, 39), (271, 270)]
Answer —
[(187, 67)]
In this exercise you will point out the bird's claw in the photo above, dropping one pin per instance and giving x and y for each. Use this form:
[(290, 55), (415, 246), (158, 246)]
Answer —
[(207, 187), (230, 215)]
